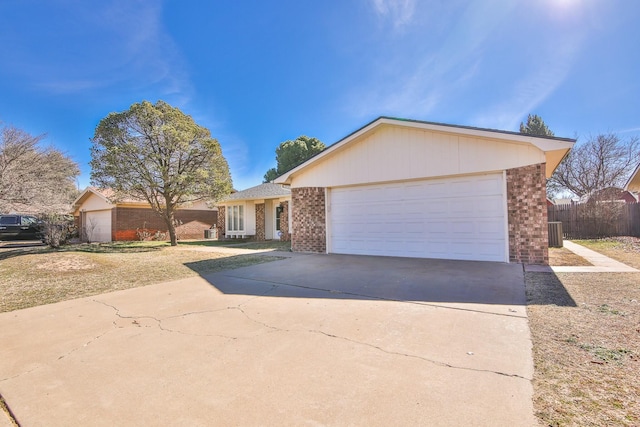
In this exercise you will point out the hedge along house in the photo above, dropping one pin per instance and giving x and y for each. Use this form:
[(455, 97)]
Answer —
[(261, 213), (419, 189), (102, 219)]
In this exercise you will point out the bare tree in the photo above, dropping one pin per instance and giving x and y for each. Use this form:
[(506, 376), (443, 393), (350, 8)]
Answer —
[(600, 162), (88, 229), (33, 178)]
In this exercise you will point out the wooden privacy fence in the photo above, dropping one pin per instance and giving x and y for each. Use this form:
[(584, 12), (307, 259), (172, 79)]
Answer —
[(597, 219)]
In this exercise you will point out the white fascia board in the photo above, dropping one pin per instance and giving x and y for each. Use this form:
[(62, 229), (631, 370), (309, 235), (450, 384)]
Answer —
[(284, 179)]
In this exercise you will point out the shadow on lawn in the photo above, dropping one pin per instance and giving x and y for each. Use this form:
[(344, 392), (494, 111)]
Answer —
[(241, 244), (547, 289), (12, 250)]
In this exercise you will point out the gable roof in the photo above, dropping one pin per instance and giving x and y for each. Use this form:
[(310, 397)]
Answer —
[(633, 184), (106, 194), (268, 190), (88, 192), (555, 148)]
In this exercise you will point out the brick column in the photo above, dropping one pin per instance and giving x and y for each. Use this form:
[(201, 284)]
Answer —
[(527, 215), (260, 222), (284, 222), (222, 218), (309, 232)]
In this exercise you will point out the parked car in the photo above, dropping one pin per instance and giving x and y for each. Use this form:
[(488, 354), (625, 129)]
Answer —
[(20, 227)]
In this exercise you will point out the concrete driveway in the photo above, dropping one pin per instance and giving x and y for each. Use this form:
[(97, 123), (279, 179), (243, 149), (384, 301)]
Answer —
[(308, 340)]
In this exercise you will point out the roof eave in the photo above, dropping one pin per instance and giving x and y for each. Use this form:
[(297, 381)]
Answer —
[(545, 144), (85, 195), (635, 176)]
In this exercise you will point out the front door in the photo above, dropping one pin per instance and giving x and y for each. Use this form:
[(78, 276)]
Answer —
[(278, 214)]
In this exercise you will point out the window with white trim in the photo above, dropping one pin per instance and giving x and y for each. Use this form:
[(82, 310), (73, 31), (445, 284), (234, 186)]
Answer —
[(235, 218)]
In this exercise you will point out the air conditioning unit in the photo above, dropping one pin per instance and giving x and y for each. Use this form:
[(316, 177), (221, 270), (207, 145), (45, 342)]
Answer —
[(555, 234)]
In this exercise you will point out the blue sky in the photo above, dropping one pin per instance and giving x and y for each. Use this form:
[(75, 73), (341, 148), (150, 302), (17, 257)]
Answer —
[(257, 73)]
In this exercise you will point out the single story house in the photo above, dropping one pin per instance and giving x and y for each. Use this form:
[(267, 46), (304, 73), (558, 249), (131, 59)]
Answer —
[(610, 194), (412, 188), (100, 218), (261, 212)]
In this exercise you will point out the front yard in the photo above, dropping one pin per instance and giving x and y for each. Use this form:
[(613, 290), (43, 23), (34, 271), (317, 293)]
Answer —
[(585, 326), (37, 275), (586, 341)]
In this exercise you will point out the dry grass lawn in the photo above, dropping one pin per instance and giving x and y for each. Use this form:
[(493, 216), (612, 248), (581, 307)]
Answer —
[(623, 249), (563, 256), (36, 276), (586, 343)]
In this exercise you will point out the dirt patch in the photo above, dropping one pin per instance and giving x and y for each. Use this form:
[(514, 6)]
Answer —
[(564, 257), (66, 262), (586, 345), (36, 276)]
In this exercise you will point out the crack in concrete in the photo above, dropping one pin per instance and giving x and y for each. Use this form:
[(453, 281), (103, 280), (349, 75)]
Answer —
[(20, 374), (390, 352), (164, 328), (97, 337), (414, 356), (374, 297)]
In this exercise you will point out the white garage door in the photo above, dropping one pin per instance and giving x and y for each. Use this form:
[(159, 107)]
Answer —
[(454, 218), (98, 226)]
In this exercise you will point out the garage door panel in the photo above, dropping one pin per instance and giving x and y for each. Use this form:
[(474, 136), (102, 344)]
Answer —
[(454, 218), (98, 226), (490, 227)]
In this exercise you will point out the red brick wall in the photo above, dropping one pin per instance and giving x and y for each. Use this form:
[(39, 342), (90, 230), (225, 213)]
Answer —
[(284, 222), (308, 220), (527, 213), (126, 221), (260, 222)]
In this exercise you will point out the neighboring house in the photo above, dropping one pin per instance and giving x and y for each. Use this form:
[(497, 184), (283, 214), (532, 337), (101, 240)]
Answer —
[(564, 201), (633, 184), (610, 194), (261, 212), (100, 219), (419, 189)]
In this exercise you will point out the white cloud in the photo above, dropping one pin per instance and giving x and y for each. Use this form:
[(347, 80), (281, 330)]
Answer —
[(533, 88), (398, 12), (107, 45), (415, 81)]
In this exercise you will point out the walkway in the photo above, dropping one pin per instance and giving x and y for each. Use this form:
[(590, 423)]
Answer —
[(601, 263)]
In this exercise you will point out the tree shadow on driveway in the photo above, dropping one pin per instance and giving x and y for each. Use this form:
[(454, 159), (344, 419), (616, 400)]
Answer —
[(382, 278)]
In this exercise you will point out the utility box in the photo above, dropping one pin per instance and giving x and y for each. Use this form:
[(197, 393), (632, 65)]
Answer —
[(555, 234), (211, 233)]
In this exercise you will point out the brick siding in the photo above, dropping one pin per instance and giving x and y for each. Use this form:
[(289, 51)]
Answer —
[(308, 220), (284, 222), (260, 222), (222, 217), (126, 222), (527, 215)]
